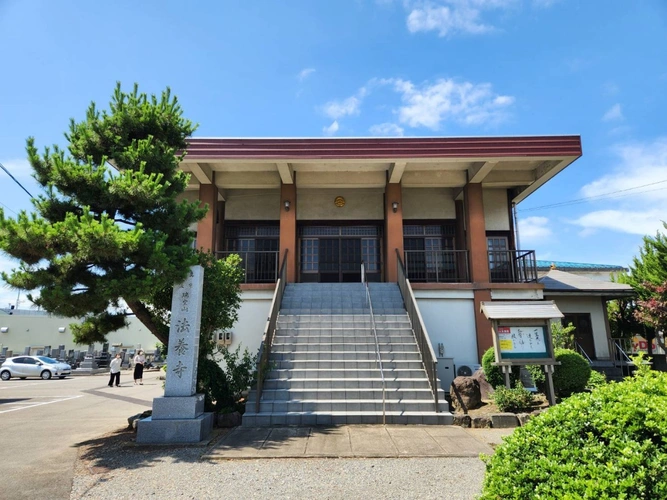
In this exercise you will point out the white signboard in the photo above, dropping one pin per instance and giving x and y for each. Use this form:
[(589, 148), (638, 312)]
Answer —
[(522, 342)]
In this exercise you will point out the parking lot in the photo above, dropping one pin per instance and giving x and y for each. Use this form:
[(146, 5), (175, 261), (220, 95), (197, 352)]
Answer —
[(43, 421)]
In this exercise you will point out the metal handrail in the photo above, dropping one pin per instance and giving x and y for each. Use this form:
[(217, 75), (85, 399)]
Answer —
[(264, 264), (419, 329), (270, 330), (582, 352), (512, 266), (432, 266), (378, 357)]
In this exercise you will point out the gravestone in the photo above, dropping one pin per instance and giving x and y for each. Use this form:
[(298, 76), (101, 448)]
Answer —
[(178, 416), (89, 363)]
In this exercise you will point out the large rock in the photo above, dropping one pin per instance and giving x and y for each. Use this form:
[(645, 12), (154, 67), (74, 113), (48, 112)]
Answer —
[(465, 394), (485, 388)]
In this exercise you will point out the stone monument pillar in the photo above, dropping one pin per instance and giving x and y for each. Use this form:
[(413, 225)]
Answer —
[(89, 362), (178, 416)]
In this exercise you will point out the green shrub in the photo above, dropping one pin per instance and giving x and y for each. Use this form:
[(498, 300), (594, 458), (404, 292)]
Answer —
[(222, 387), (609, 443), (516, 399), (596, 379), (569, 377), (494, 374)]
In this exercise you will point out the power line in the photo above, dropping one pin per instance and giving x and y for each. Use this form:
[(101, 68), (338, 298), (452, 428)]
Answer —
[(12, 211), (14, 179), (612, 194)]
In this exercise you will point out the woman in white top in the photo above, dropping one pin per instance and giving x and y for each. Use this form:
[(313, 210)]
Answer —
[(139, 361), (115, 371)]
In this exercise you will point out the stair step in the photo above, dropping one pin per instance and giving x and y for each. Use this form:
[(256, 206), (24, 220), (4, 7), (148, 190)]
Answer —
[(346, 394), (389, 374), (343, 339), (346, 418), (387, 347), (345, 356), (344, 383), (351, 364), (316, 405)]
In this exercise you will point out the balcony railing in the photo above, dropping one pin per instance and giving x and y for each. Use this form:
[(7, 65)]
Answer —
[(512, 266), (437, 266), (258, 266)]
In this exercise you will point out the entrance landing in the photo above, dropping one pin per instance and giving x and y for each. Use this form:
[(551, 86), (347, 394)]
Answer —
[(356, 441)]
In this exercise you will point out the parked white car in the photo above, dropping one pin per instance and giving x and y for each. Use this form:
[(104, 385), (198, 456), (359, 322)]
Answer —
[(33, 366)]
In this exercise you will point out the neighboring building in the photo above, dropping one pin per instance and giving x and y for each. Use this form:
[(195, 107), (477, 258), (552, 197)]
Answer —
[(583, 302), (25, 329), (601, 272)]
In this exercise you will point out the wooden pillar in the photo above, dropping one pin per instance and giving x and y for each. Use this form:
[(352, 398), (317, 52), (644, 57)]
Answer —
[(288, 229), (208, 195), (476, 233), (460, 242), (482, 324), (393, 229), (479, 261), (220, 228)]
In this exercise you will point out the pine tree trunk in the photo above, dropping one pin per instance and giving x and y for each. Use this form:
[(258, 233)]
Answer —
[(143, 314)]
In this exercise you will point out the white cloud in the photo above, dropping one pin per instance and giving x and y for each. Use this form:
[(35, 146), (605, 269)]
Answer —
[(305, 73), (615, 113), (534, 229), (386, 130), (452, 17), (463, 102), (625, 209), (19, 168), (339, 109), (331, 129)]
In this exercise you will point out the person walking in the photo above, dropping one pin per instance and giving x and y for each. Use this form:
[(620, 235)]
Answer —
[(115, 371), (139, 361)]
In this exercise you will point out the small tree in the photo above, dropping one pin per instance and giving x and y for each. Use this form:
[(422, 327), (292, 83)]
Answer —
[(563, 336)]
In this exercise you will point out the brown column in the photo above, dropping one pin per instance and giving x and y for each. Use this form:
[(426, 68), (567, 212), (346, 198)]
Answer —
[(220, 227), (394, 229), (460, 242), (208, 195), (482, 325), (479, 261), (288, 229), (476, 233)]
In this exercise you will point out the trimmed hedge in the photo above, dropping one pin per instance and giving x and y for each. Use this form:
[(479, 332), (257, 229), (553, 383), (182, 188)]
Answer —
[(569, 377), (494, 374), (610, 443)]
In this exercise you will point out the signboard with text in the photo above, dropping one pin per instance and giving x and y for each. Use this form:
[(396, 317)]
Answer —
[(522, 342)]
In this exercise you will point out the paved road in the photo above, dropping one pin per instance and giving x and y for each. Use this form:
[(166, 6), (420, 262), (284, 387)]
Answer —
[(43, 421)]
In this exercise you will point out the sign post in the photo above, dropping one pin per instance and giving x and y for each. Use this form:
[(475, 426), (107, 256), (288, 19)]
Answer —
[(522, 336)]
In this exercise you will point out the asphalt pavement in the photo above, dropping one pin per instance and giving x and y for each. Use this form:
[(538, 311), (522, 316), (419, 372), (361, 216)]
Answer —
[(43, 422)]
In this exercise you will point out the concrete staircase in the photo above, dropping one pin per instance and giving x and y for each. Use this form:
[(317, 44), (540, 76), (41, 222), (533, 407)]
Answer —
[(323, 361)]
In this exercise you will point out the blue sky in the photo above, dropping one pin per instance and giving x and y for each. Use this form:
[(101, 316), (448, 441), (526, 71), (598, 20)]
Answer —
[(372, 67)]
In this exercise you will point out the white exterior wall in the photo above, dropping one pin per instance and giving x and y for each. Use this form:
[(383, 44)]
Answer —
[(252, 204), (449, 317), (37, 331), (428, 203), (593, 306), (360, 204), (496, 211), (253, 314)]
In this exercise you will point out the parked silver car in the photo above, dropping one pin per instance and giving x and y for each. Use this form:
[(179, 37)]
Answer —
[(33, 366)]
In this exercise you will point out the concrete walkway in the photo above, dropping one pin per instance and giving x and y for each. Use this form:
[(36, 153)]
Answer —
[(356, 441)]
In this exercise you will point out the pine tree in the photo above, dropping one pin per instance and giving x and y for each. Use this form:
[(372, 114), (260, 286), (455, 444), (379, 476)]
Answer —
[(108, 232)]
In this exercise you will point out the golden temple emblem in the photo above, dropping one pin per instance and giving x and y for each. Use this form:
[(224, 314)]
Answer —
[(339, 201)]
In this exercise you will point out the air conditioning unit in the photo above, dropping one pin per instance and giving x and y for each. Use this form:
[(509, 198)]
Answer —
[(467, 369)]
